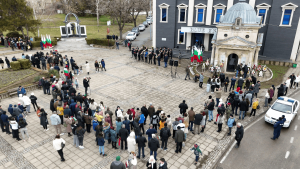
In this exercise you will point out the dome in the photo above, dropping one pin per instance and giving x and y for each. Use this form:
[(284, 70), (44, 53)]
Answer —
[(242, 10)]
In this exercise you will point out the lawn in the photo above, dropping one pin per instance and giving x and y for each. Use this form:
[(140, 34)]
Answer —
[(278, 74), (51, 26)]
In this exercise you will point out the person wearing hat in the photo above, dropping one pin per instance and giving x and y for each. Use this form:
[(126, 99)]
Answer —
[(197, 151), (33, 99), (179, 138), (277, 128), (151, 163), (117, 164)]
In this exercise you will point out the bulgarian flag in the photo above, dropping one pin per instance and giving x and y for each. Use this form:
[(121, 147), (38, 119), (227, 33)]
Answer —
[(49, 41), (196, 55), (66, 72), (44, 41)]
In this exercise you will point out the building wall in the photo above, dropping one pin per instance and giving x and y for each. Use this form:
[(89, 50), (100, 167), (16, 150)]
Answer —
[(278, 41)]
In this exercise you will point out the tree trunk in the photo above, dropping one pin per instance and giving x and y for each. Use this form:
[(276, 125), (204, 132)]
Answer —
[(27, 29), (121, 34), (22, 32)]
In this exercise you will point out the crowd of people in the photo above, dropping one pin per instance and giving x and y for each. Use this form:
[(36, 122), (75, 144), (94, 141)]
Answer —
[(17, 43)]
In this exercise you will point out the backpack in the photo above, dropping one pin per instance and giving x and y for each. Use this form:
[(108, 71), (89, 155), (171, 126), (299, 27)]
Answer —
[(165, 132), (130, 117)]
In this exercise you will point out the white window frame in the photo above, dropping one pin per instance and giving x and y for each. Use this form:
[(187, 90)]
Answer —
[(179, 37), (182, 6), (164, 6), (216, 7), (263, 6), (288, 6), (200, 6)]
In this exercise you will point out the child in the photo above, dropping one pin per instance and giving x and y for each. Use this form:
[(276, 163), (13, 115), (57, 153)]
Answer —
[(76, 83), (196, 152), (101, 142)]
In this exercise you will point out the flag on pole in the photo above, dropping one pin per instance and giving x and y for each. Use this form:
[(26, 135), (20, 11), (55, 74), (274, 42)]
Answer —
[(49, 41), (44, 41), (196, 55)]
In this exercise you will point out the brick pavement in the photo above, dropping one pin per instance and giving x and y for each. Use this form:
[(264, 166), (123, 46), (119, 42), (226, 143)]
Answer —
[(126, 83)]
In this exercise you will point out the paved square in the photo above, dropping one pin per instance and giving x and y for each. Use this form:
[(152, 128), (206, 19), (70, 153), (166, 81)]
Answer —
[(126, 83)]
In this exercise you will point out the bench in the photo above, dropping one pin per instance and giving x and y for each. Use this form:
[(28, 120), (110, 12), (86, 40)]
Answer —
[(13, 91)]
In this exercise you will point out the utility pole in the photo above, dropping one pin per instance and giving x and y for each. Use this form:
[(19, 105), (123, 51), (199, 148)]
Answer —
[(151, 19)]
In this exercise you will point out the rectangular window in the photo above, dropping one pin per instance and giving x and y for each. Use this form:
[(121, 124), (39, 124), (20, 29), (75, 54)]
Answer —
[(287, 17), (182, 15), (200, 15), (262, 13), (218, 15), (164, 14), (181, 37)]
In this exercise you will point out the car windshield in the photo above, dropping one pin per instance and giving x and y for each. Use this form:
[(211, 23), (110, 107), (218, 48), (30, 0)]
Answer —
[(141, 26), (282, 108), (145, 22), (130, 34)]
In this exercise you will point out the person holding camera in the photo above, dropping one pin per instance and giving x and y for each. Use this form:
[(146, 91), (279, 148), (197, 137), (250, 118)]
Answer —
[(86, 84)]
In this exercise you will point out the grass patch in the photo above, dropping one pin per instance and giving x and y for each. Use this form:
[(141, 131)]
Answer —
[(51, 26), (278, 74)]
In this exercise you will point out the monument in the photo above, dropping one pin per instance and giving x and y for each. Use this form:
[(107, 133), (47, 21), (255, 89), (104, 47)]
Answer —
[(72, 29)]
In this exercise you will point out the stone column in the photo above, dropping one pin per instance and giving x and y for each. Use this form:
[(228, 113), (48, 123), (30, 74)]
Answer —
[(256, 57), (216, 56), (206, 41), (188, 40), (212, 55)]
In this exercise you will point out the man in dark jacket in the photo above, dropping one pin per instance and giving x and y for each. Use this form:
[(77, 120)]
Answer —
[(293, 78), (233, 80), (183, 107), (47, 87), (253, 78), (153, 144), (33, 99), (163, 164), (1, 122), (151, 110), (166, 60), (239, 133), (145, 113), (7, 62), (86, 84), (4, 119), (136, 127), (165, 133), (117, 164), (240, 83), (210, 108), (141, 142), (191, 115), (243, 109), (179, 138), (235, 105), (198, 119), (245, 69), (222, 77), (123, 133)]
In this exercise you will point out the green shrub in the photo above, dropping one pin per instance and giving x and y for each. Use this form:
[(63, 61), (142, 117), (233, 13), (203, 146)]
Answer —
[(37, 78), (25, 63), (102, 42), (15, 65), (14, 34), (53, 72)]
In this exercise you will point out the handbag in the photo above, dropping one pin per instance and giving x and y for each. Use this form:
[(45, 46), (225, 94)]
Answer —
[(62, 145), (119, 143), (258, 106), (234, 123)]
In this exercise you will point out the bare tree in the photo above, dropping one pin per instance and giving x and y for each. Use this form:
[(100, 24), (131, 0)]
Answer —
[(137, 7), (120, 11)]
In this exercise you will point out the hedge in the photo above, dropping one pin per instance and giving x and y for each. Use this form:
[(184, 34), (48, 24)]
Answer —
[(15, 65), (25, 63), (102, 42), (14, 34)]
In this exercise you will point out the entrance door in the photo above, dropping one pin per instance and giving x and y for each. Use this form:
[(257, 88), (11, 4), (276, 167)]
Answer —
[(232, 62), (199, 38)]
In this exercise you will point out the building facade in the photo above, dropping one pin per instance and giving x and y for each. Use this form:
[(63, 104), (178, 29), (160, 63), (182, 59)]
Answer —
[(184, 23)]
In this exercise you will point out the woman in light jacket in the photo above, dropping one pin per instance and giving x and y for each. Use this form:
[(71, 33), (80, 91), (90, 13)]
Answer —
[(57, 146), (267, 96), (220, 122), (68, 123), (230, 124), (131, 142), (208, 85)]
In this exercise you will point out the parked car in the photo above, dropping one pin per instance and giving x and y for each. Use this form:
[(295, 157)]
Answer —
[(283, 106), (131, 36), (142, 27), (136, 30), (145, 23), (149, 21)]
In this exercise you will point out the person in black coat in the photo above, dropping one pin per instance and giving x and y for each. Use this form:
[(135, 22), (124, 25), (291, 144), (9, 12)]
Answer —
[(210, 109), (293, 78), (226, 83), (145, 112), (123, 134), (240, 83), (235, 105), (166, 60), (165, 133), (222, 77), (253, 80), (239, 133), (136, 127), (153, 145), (243, 108), (183, 107), (151, 163), (86, 84), (150, 57), (245, 69), (33, 100), (7, 62), (158, 59), (52, 105), (47, 87), (198, 119), (141, 142), (280, 91)]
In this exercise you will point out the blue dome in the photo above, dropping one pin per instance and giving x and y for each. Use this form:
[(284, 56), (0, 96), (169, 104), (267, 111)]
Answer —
[(242, 10)]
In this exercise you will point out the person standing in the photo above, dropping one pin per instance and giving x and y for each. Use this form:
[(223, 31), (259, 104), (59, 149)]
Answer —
[(80, 134), (87, 67), (141, 122), (131, 142), (256, 88), (218, 95), (187, 71), (197, 151), (293, 78), (123, 134), (56, 122), (239, 133), (145, 113), (151, 164), (151, 110), (33, 99), (164, 135), (183, 107), (150, 131), (254, 107), (5, 121), (117, 164), (198, 120), (57, 145), (220, 121), (166, 60), (174, 125), (113, 137), (230, 124), (15, 128), (44, 120), (191, 115), (141, 142), (23, 130), (201, 78), (153, 145), (233, 80), (7, 62), (117, 45), (86, 84), (101, 141), (243, 108), (179, 138), (277, 127), (210, 108)]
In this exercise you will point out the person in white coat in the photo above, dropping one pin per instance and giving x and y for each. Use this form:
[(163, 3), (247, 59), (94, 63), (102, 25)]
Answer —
[(87, 67), (120, 114), (57, 146), (203, 122), (25, 100), (131, 142), (297, 80)]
